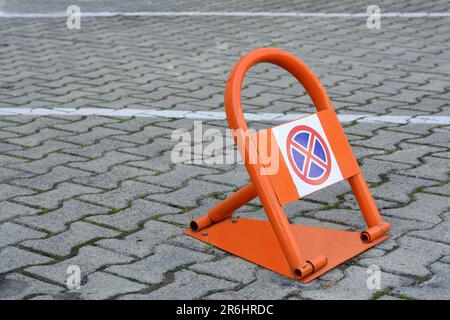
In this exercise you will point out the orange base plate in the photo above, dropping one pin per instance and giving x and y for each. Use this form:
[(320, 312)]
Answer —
[(255, 241)]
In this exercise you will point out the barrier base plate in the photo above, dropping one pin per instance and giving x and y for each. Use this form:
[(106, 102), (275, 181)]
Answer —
[(255, 241)]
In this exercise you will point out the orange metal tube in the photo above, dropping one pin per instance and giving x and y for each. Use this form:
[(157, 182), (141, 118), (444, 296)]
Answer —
[(318, 262), (375, 232), (200, 223), (365, 201), (225, 208), (376, 226), (236, 120)]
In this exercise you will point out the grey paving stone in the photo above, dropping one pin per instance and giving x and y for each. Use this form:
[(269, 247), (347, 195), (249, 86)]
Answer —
[(11, 174), (38, 137), (152, 149), (153, 268), (143, 242), (187, 285), (130, 218), (362, 152), (12, 233), (120, 197), (443, 189), (89, 259), (438, 138), (183, 197), (104, 163), (411, 257), (176, 178), (318, 223), (435, 288), (354, 286), (97, 149), (374, 169), (399, 187), (69, 97), (11, 135), (36, 124), (431, 105), (4, 123), (62, 243), (186, 124), (331, 194), (15, 286), (433, 168), (409, 96), (268, 286), (8, 191), (417, 77), (112, 177), (9, 210), (59, 219), (230, 268), (409, 153), (237, 177), (41, 150), (92, 136), (382, 204), (354, 219), (389, 87), (372, 253), (426, 207), (43, 297), (13, 258), (190, 243), (101, 285), (49, 180), (144, 136), (85, 124), (388, 244), (44, 165), (332, 276), (161, 163), (442, 154), (6, 160), (132, 124), (52, 198), (439, 233), (388, 297), (384, 139)]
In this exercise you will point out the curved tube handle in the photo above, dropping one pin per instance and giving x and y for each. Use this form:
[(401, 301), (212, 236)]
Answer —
[(233, 103)]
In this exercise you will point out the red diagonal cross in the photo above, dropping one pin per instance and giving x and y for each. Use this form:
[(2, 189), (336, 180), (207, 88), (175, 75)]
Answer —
[(308, 153)]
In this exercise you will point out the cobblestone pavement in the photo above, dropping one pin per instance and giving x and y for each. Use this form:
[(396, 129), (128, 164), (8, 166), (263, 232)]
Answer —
[(101, 192)]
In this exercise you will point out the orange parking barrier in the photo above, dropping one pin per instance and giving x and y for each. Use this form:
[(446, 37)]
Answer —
[(313, 153)]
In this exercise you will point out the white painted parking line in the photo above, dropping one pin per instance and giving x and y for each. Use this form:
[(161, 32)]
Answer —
[(226, 14), (214, 115)]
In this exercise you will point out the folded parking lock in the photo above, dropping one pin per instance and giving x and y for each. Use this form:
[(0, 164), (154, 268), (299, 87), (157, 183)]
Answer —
[(311, 153)]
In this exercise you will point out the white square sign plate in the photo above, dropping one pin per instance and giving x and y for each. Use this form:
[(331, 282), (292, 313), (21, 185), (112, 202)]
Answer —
[(307, 154)]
